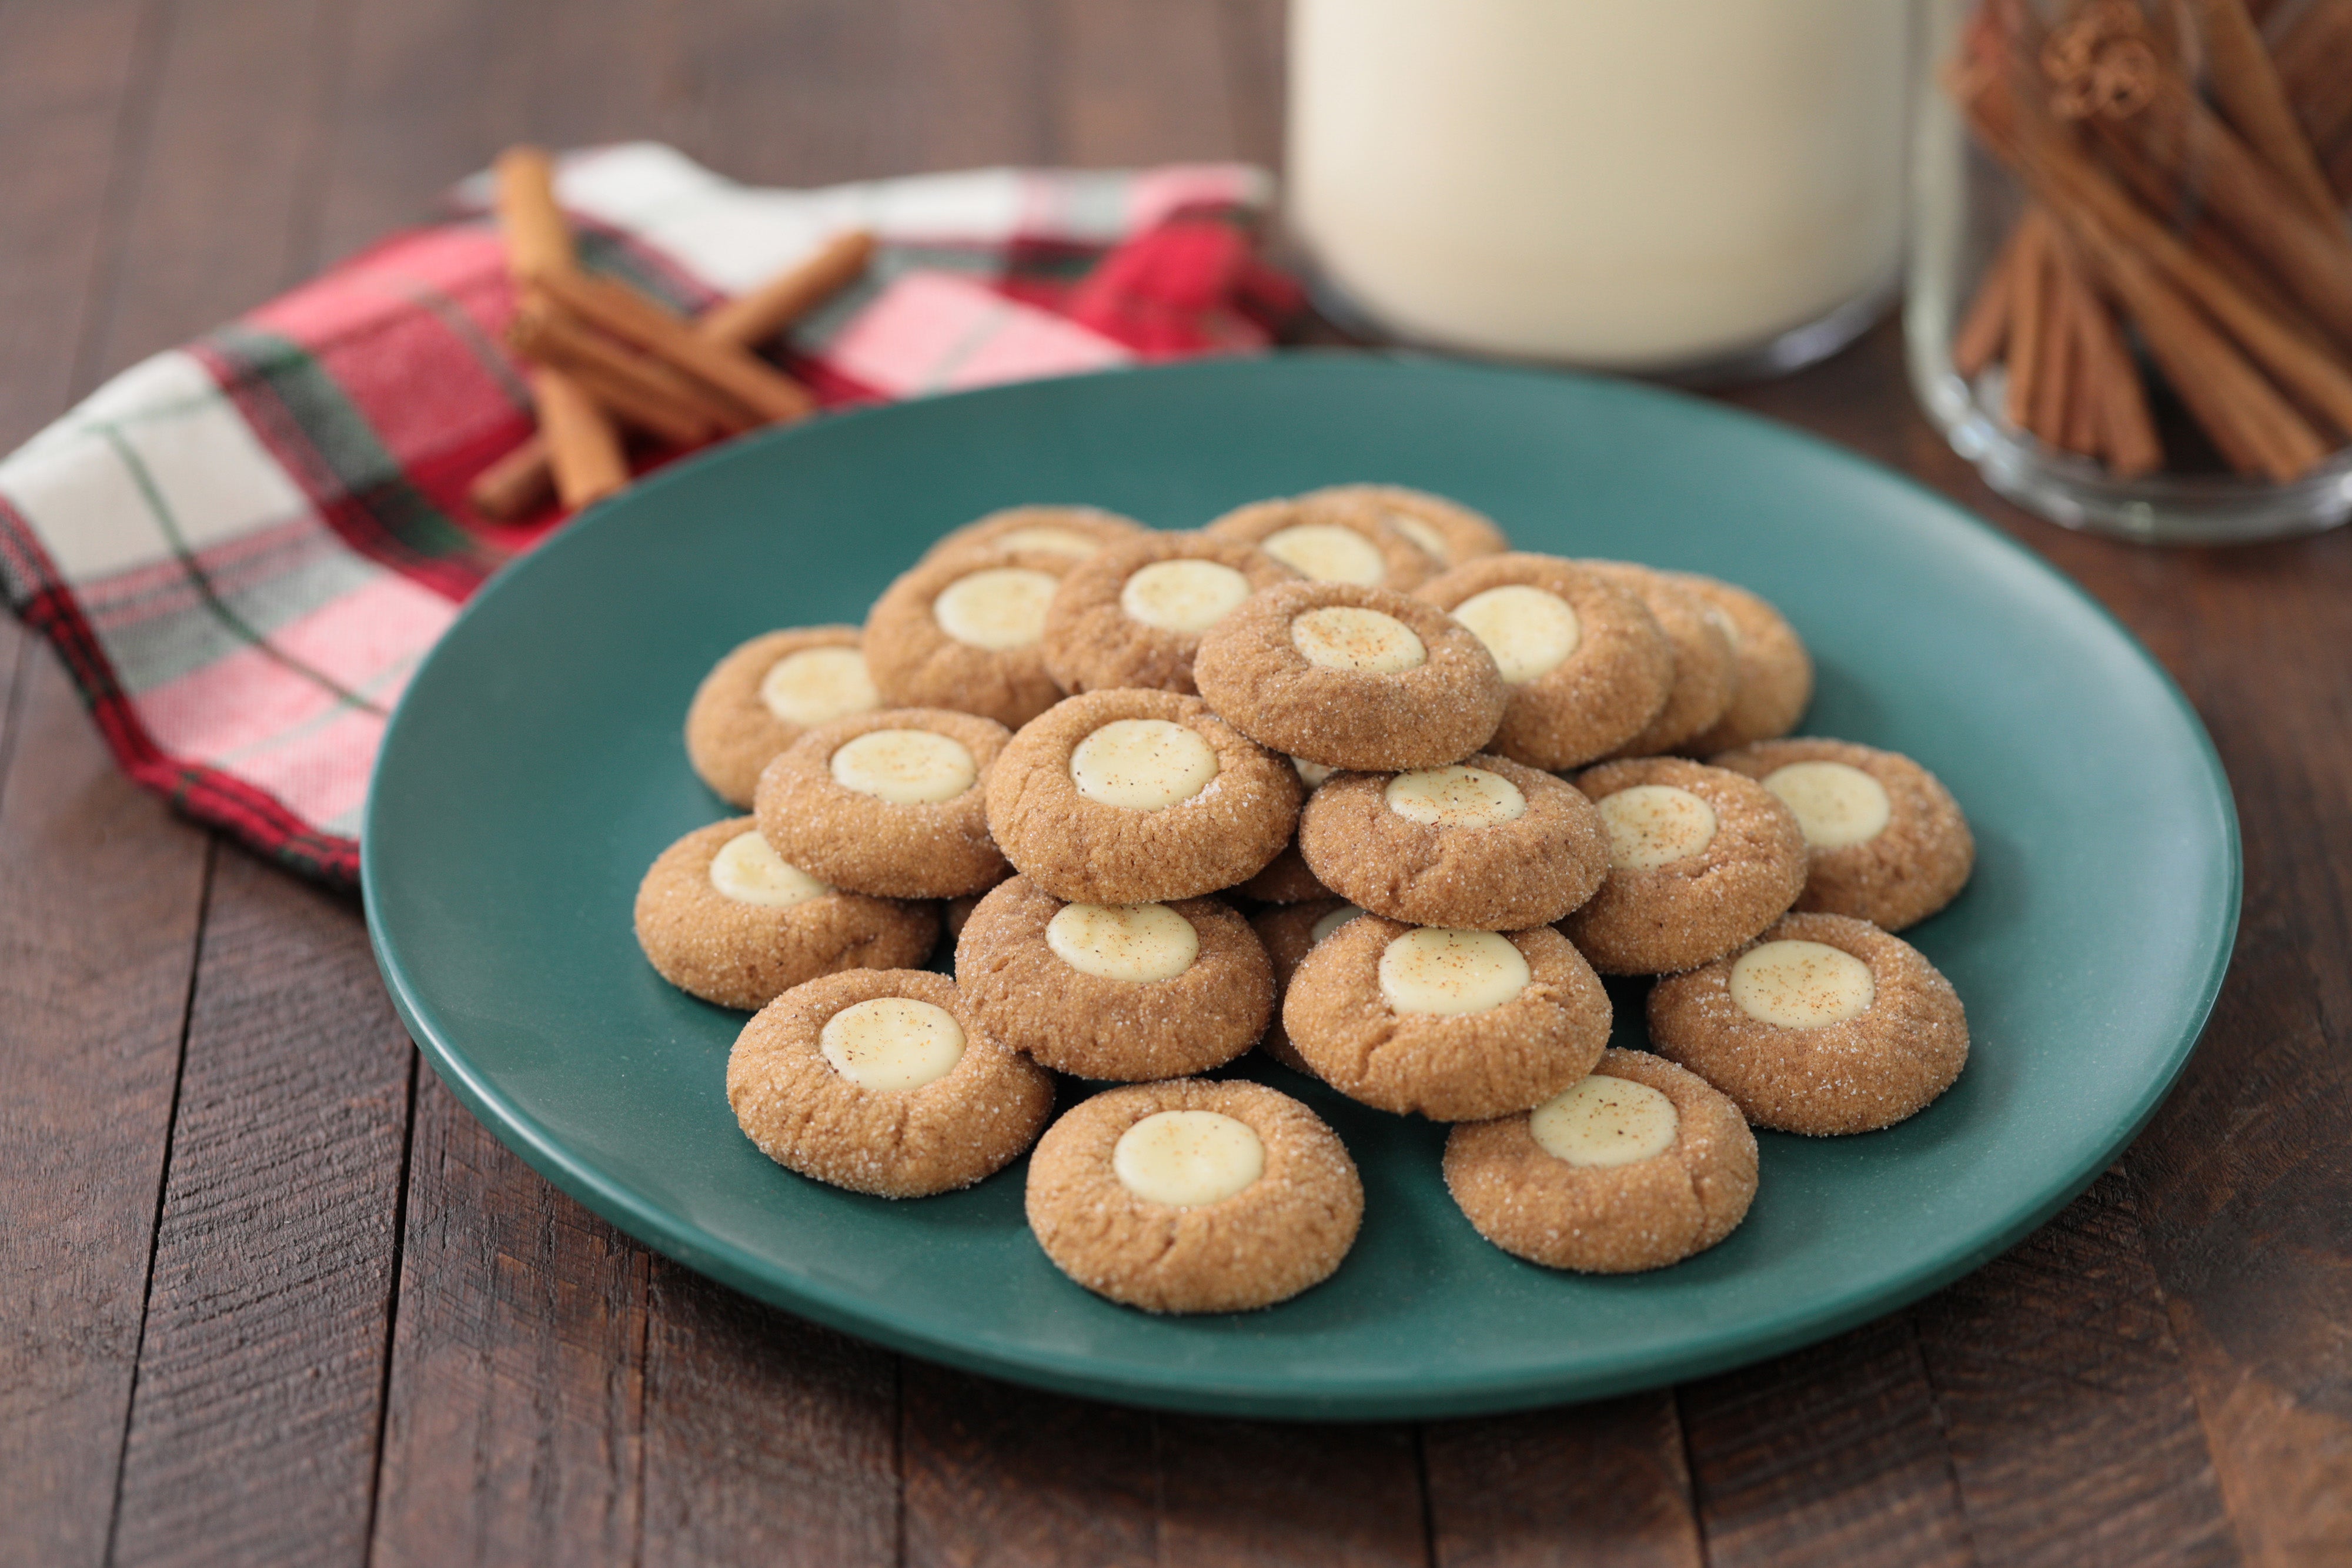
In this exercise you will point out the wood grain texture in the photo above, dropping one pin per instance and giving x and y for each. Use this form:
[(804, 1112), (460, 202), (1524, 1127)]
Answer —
[(98, 927), (2073, 1432), (767, 1440), (516, 1400), (1236, 1494), (997, 1476), (99, 892), (253, 1431), (1140, 81), (1251, 33), (1832, 1454), (223, 210), (808, 93), (70, 79), (1606, 1482)]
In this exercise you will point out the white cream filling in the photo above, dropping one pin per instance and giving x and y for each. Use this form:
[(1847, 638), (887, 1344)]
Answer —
[(1182, 595), (892, 1043), (1345, 637), (818, 685), (1422, 532), (1455, 797), (1650, 825), (748, 870), (1437, 970), (905, 767), (1137, 942), (1602, 1121), (1329, 923), (1801, 984), (1835, 804), (1052, 540), (1142, 764), (1311, 774), (1528, 630), (998, 608), (1187, 1158), (1327, 553)]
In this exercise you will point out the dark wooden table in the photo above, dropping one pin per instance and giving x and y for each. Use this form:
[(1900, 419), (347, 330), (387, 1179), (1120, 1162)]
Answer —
[(269, 1295)]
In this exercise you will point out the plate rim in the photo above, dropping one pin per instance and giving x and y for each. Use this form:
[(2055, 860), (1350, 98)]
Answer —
[(1191, 1390)]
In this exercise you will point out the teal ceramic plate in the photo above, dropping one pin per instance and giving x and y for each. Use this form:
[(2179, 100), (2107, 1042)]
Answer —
[(535, 769)]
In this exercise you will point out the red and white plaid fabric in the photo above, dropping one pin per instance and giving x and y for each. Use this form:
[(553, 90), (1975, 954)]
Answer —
[(242, 547)]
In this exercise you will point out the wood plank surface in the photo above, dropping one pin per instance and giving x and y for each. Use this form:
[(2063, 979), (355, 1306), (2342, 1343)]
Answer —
[(100, 892), (1607, 1482), (97, 932), (1830, 1454), (2074, 1436), (515, 1408), (767, 1440), (215, 1295), (253, 1435)]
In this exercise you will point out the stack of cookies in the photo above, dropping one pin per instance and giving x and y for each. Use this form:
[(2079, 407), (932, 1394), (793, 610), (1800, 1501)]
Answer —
[(1455, 784)]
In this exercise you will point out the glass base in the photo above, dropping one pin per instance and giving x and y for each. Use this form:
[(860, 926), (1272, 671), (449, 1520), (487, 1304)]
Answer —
[(1789, 350), (2171, 509)]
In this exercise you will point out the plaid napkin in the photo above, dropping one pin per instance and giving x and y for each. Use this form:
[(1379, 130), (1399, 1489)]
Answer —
[(242, 547)]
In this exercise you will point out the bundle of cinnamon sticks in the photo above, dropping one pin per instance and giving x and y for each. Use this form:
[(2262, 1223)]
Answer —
[(607, 361), (2185, 219)]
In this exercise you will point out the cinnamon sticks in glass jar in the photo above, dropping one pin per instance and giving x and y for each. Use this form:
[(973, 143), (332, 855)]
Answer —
[(606, 360), (2176, 291)]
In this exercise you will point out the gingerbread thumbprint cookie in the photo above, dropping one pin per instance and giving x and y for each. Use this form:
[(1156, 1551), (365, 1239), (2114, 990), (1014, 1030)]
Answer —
[(1586, 662), (1289, 933), (1700, 860), (966, 630), (1327, 538), (1825, 1025), (1448, 532), (1706, 671), (1128, 992), (888, 803), (1457, 1026), (1637, 1166), (882, 1082), (1072, 532), (720, 915), (1775, 679), (1351, 677), (1188, 1197), (1485, 844), (766, 695), (1135, 613), (1887, 842), (1138, 797)]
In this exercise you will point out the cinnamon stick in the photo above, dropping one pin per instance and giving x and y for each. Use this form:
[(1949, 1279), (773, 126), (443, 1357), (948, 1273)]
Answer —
[(584, 448), (549, 334), (635, 390), (2053, 379), (2126, 437), (2246, 85), (2255, 428), (1985, 327), (2314, 67), (2067, 179), (726, 367), (2195, 150), (759, 315), (516, 482), (2029, 318)]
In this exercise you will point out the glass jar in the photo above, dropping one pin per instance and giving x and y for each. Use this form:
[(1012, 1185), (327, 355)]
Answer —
[(2130, 294), (1707, 188)]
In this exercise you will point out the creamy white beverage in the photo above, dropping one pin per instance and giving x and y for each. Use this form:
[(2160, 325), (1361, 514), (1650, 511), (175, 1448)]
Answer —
[(1642, 185)]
